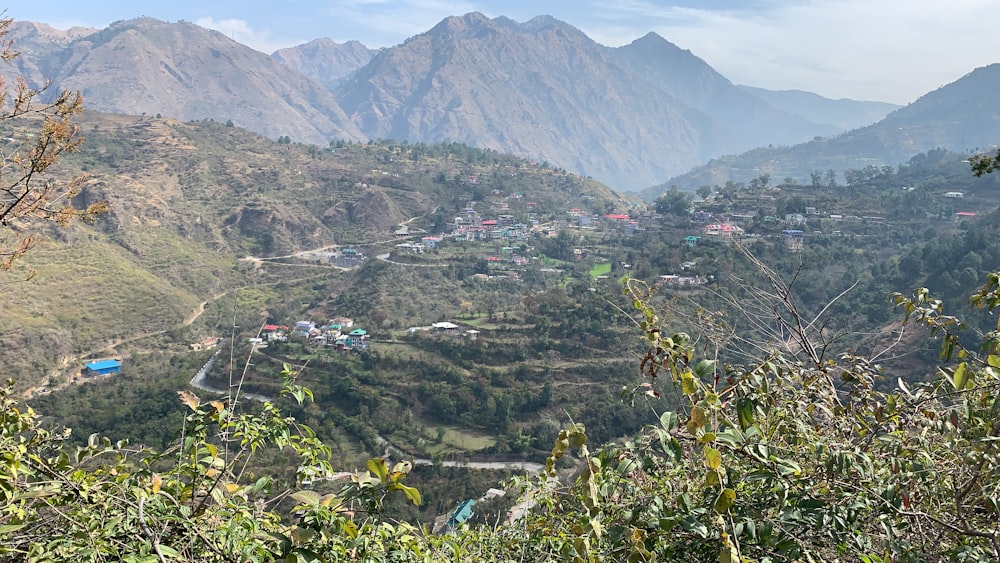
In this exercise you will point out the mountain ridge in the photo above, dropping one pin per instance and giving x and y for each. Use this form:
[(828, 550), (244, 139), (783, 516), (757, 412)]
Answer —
[(541, 89), (959, 116)]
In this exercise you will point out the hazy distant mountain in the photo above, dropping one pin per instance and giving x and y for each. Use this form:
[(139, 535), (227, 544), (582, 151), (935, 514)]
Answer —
[(962, 116), (39, 42), (844, 114), (326, 60), (146, 66), (541, 89), (630, 116), (747, 120)]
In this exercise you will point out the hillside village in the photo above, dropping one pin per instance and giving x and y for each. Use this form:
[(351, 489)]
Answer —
[(338, 333), (507, 224)]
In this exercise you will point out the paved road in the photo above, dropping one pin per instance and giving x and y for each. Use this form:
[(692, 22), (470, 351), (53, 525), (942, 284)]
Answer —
[(198, 382)]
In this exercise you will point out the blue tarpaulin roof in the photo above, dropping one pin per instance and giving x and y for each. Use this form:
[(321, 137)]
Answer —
[(104, 364)]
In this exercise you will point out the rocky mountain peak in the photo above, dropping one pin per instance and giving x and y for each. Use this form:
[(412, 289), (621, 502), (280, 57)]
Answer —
[(462, 25)]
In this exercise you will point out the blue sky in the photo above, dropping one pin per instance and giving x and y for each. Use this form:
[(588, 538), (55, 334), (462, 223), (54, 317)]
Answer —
[(888, 50)]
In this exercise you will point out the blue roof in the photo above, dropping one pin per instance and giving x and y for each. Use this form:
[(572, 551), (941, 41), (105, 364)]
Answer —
[(358, 332), (462, 513), (104, 364)]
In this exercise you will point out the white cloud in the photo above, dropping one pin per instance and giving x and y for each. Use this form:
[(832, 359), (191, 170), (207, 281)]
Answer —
[(241, 31)]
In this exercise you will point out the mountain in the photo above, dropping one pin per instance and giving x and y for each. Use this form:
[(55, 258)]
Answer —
[(748, 121), (325, 60), (541, 89), (844, 114), (961, 117), (146, 66), (629, 116), (39, 43)]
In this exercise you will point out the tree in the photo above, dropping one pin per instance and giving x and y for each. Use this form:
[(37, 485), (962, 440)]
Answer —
[(760, 182), (704, 191), (984, 163), (40, 132), (110, 502), (673, 202), (795, 456), (831, 178)]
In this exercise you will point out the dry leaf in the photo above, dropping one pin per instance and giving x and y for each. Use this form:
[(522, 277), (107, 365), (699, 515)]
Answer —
[(189, 399)]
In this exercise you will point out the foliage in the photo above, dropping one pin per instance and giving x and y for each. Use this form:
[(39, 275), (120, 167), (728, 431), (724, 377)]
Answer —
[(40, 132), (784, 460), (984, 163), (779, 460), (673, 202), (775, 459), (195, 501)]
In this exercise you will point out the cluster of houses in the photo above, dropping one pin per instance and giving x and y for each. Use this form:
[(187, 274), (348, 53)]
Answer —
[(472, 226), (682, 281), (446, 327), (622, 221), (676, 280), (338, 332)]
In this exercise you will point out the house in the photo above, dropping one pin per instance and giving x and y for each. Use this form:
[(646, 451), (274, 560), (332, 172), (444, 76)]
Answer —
[(461, 515), (344, 322), (357, 339), (102, 367), (723, 230), (445, 325), (302, 328), (954, 194), (963, 215), (431, 242), (793, 239), (701, 216), (691, 240), (205, 344), (795, 218)]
